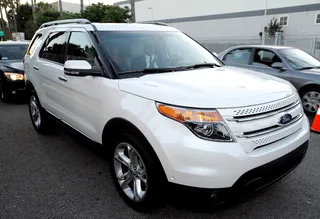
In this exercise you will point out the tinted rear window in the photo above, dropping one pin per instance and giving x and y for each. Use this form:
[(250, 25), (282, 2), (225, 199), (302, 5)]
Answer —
[(12, 52)]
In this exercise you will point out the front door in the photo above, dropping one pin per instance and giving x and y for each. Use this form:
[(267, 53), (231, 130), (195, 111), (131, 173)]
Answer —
[(263, 60), (83, 92)]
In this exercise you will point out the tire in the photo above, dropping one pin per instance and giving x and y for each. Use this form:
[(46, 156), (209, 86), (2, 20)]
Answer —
[(38, 115), (150, 195), (4, 94), (310, 100)]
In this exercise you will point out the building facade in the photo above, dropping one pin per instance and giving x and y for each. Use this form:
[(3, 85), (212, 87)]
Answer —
[(205, 19), (67, 6)]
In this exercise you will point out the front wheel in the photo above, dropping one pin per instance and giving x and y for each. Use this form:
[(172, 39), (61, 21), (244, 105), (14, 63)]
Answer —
[(137, 175), (311, 100), (37, 114)]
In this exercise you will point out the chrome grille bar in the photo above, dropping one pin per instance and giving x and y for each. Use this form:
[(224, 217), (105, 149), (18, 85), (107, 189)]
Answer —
[(297, 118), (265, 115)]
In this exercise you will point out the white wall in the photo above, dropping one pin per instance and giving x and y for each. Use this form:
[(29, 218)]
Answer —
[(67, 6), (167, 9), (299, 23)]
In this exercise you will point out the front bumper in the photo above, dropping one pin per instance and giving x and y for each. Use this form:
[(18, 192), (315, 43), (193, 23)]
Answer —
[(193, 162), (14, 87), (253, 180)]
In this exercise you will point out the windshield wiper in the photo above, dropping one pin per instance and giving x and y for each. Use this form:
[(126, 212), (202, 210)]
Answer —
[(151, 70), (311, 67), (211, 65), (171, 69)]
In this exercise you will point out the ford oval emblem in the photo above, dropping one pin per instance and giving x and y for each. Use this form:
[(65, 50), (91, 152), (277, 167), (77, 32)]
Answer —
[(286, 118)]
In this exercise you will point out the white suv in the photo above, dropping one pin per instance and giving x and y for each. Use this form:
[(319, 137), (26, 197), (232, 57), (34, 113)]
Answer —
[(168, 111)]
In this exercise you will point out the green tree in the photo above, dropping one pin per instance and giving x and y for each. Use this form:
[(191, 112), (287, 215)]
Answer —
[(42, 7), (273, 27), (24, 14), (115, 14), (30, 29), (47, 16), (29, 22), (106, 13), (69, 15)]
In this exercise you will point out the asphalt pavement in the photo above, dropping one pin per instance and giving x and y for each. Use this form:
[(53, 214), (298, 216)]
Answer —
[(62, 176)]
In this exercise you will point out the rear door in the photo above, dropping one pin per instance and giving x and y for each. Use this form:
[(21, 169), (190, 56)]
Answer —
[(240, 57), (50, 69)]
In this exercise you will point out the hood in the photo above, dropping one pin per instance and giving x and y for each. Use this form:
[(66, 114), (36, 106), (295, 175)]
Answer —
[(12, 65), (209, 87), (312, 71)]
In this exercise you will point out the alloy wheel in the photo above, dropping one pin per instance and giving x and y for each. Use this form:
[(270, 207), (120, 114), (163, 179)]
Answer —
[(35, 111), (311, 101), (130, 172)]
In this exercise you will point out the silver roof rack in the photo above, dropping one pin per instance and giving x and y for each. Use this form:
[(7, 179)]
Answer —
[(68, 21), (155, 23)]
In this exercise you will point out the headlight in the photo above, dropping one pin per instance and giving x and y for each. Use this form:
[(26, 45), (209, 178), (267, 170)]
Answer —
[(14, 76), (205, 124)]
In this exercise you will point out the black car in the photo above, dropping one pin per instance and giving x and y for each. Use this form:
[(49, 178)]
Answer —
[(11, 69)]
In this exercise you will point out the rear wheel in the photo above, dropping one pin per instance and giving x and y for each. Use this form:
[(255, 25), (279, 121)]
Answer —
[(38, 115), (136, 173), (311, 100), (4, 94)]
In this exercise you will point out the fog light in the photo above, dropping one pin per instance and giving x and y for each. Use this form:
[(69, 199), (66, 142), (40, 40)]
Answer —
[(14, 92)]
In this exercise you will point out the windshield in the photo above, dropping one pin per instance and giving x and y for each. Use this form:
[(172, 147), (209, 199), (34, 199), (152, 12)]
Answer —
[(138, 50), (12, 52), (299, 59)]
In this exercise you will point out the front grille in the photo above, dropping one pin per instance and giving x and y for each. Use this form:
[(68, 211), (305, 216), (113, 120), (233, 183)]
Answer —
[(246, 111), (267, 130), (275, 137), (257, 126), (265, 114)]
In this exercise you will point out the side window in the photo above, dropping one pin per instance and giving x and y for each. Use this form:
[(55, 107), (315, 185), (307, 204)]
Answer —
[(239, 56), (53, 49), (79, 48), (34, 44), (265, 58)]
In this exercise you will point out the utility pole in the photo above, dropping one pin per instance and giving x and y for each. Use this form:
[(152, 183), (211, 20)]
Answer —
[(81, 6), (133, 11), (265, 15), (152, 13), (34, 5), (2, 23), (60, 6)]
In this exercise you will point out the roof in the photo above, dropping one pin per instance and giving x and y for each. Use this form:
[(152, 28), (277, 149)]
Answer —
[(14, 43), (264, 46), (84, 23)]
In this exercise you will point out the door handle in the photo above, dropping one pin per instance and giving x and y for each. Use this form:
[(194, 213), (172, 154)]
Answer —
[(63, 78), (36, 68)]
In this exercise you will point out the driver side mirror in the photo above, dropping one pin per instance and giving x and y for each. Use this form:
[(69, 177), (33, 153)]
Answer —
[(277, 65), (80, 68)]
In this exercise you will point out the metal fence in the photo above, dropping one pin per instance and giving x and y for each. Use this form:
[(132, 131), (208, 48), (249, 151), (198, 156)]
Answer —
[(308, 43)]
